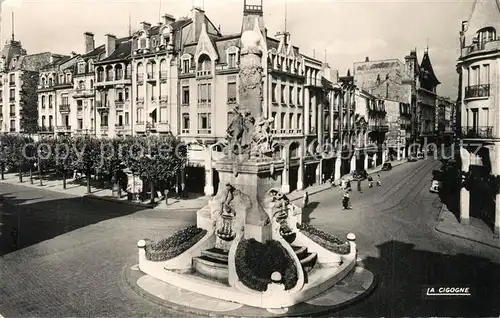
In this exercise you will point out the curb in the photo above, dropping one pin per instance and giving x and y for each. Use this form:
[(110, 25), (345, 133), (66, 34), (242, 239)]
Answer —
[(131, 280), (436, 228)]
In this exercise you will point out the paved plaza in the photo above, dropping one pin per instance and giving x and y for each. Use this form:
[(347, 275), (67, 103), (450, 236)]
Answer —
[(73, 251)]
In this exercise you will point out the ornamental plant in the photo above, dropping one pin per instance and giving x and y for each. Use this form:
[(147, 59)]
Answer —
[(174, 245), (256, 262), (325, 240)]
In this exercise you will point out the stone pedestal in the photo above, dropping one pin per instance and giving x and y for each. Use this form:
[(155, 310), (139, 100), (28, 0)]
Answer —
[(254, 179), (209, 187), (300, 176)]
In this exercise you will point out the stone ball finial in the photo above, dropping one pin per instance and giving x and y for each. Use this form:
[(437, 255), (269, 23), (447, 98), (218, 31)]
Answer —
[(141, 244), (276, 277), (250, 38), (351, 237)]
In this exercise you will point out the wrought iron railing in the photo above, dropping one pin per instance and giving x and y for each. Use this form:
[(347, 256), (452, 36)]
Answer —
[(477, 91), (479, 132)]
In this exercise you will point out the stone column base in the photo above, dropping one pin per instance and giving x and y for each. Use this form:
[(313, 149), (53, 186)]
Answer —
[(464, 221), (209, 190), (300, 185)]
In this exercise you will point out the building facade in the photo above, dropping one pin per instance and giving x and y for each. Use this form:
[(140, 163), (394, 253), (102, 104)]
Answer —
[(478, 67), (444, 119), (15, 63), (181, 77)]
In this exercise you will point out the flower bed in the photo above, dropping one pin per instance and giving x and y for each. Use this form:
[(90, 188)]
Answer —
[(325, 240), (174, 245), (255, 262)]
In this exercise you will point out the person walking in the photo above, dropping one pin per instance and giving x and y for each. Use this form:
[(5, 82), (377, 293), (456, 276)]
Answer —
[(379, 182), (359, 185), (305, 199), (370, 182), (345, 201)]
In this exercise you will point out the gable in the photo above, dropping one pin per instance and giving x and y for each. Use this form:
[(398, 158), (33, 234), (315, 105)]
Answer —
[(205, 45)]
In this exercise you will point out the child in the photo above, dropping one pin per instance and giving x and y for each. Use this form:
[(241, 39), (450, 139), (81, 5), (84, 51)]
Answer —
[(379, 182)]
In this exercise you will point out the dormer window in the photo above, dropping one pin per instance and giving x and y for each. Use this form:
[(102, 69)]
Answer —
[(61, 78), (68, 77), (142, 43), (232, 57), (91, 66), (81, 68), (486, 35), (186, 63), (153, 43), (50, 81)]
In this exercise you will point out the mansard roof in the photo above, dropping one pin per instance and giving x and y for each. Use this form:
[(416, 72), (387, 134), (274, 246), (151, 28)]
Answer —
[(427, 72), (122, 51)]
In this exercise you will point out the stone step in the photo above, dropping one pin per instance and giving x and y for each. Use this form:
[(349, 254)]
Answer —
[(216, 253), (309, 261), (300, 251), (211, 268)]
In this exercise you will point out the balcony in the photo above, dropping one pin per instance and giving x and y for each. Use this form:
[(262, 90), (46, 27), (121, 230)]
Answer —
[(119, 104), (104, 129), (111, 80), (477, 91), (64, 129), (140, 77), (140, 100), (206, 131), (12, 84), (43, 129), (12, 99), (102, 106), (163, 127), (151, 76), (64, 108), (163, 100), (63, 84), (487, 46), (204, 73), (478, 132), (163, 75), (82, 92), (12, 114)]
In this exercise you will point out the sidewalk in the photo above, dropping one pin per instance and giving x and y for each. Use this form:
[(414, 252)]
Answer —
[(476, 231), (298, 194), (76, 189)]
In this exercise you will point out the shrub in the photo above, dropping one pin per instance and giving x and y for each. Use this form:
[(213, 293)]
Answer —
[(174, 245), (325, 240), (255, 262)]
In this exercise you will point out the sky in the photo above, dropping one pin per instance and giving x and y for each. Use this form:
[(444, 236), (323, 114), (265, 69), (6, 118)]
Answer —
[(345, 31)]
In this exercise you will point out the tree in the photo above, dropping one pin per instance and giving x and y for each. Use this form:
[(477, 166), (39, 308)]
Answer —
[(111, 152), (17, 152), (63, 155), (86, 156), (29, 102)]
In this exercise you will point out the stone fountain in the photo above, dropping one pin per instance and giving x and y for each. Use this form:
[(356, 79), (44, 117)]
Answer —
[(249, 206)]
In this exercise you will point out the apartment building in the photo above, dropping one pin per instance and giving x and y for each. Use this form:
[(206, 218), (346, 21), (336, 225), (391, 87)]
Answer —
[(478, 66), (444, 119), (16, 67)]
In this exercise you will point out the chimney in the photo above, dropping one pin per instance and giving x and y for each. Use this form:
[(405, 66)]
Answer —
[(367, 59), (110, 44), (145, 25), (465, 24), (89, 42), (73, 54), (198, 16), (168, 19)]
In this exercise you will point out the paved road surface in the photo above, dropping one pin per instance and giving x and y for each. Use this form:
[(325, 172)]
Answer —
[(76, 270)]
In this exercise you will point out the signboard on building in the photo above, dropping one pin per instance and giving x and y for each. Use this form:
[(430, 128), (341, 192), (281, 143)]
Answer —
[(396, 138)]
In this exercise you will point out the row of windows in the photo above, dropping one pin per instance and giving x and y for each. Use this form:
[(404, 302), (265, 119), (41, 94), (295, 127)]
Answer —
[(205, 64), (294, 95), (478, 75), (62, 79), (204, 123)]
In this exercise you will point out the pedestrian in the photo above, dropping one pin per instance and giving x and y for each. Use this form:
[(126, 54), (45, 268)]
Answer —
[(379, 182), (183, 191), (359, 185), (342, 184), (345, 201), (14, 239), (348, 185), (370, 182), (166, 196), (305, 199)]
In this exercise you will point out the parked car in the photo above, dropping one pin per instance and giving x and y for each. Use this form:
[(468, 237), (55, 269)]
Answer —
[(412, 158), (387, 166), (360, 174), (420, 155), (435, 186)]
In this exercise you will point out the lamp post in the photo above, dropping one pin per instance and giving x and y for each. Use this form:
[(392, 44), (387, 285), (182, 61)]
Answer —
[(2, 163)]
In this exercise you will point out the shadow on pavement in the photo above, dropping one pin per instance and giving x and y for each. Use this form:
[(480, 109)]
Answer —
[(307, 211), (24, 223), (404, 272)]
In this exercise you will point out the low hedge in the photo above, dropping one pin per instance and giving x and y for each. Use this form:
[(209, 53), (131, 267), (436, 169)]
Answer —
[(255, 262), (174, 245), (325, 240)]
